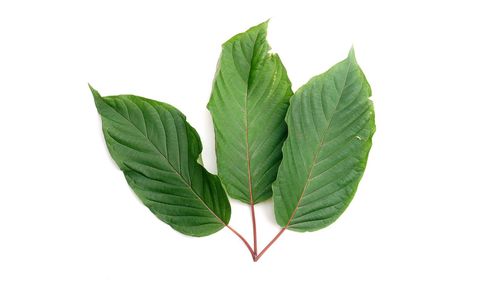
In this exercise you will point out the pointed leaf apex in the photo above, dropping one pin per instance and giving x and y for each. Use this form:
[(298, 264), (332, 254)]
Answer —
[(262, 25), (94, 91), (97, 97), (259, 27), (352, 55)]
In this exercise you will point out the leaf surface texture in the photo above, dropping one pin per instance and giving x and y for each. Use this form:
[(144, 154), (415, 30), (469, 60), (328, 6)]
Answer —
[(330, 127), (250, 96), (157, 150)]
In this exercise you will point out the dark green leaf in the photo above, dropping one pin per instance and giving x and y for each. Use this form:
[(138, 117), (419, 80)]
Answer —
[(250, 96), (157, 150), (330, 127)]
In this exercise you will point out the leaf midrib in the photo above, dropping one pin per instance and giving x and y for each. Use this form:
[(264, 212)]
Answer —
[(247, 86), (249, 171), (189, 186)]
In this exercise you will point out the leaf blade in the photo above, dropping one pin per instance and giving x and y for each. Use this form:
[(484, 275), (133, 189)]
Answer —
[(249, 99), (331, 124), (157, 150)]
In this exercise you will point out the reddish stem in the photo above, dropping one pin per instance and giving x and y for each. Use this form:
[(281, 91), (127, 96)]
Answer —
[(256, 258), (254, 224), (244, 241)]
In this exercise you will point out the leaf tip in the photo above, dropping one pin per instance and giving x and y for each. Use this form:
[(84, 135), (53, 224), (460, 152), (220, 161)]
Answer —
[(94, 91), (263, 25), (260, 28), (352, 54)]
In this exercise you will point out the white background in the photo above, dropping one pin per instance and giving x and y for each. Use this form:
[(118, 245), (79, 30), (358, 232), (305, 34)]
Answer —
[(427, 208)]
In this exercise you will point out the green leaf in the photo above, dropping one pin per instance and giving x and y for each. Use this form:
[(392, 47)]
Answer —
[(157, 150), (330, 128), (250, 96)]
